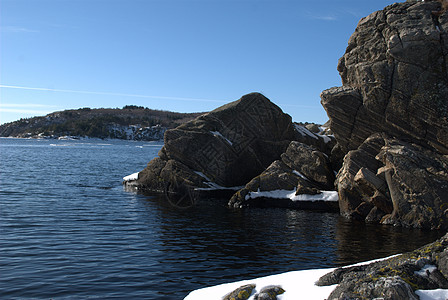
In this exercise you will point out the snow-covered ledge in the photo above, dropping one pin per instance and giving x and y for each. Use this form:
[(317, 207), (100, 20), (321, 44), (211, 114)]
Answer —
[(297, 285), (129, 178)]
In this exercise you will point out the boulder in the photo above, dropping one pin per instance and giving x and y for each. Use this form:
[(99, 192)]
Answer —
[(389, 181), (395, 80), (269, 292), (311, 163), (241, 293), (223, 148), (397, 277), (299, 180)]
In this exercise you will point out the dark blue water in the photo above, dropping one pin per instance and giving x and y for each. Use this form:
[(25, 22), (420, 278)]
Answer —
[(68, 229)]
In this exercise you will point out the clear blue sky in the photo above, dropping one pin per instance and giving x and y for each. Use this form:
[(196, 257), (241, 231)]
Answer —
[(178, 55)]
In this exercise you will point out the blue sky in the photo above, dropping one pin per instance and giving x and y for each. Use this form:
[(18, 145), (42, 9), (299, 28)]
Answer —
[(178, 55)]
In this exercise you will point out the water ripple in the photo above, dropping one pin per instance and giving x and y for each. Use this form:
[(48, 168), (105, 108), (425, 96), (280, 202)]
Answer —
[(69, 230)]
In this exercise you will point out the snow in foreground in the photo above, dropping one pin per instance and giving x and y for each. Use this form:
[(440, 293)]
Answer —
[(297, 285)]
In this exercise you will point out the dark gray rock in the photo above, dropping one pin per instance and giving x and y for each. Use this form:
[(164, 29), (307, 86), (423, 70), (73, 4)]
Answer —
[(395, 79), (311, 163), (394, 278), (226, 147), (358, 198), (302, 168), (389, 181), (233, 143), (390, 118), (160, 172), (269, 293), (417, 180)]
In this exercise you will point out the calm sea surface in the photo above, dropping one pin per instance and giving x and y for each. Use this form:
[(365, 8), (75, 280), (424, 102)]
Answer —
[(68, 229)]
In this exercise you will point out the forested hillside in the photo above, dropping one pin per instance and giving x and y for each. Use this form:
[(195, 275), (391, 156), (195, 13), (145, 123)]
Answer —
[(124, 123)]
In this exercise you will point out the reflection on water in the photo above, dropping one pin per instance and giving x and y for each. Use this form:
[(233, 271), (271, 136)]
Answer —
[(210, 244), (361, 242)]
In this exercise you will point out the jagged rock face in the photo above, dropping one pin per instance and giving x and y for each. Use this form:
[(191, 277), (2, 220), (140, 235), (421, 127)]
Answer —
[(417, 180), (233, 143), (389, 181), (395, 79), (357, 201)]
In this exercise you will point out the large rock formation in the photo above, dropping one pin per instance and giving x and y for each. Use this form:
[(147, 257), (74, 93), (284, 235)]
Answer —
[(392, 112), (219, 152), (395, 79), (233, 143), (226, 147)]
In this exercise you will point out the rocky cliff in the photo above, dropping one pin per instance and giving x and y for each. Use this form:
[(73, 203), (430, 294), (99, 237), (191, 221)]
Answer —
[(392, 115), (394, 75)]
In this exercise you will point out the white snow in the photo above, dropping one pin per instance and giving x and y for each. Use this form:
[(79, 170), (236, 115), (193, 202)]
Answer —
[(297, 285), (300, 174), (294, 283), (131, 177), (214, 186), (218, 134), (439, 294), (286, 194), (304, 132), (326, 138)]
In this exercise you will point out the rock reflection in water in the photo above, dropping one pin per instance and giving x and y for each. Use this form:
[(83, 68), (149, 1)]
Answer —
[(361, 242)]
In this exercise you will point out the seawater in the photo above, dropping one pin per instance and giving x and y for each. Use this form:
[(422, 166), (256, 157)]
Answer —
[(68, 229)]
